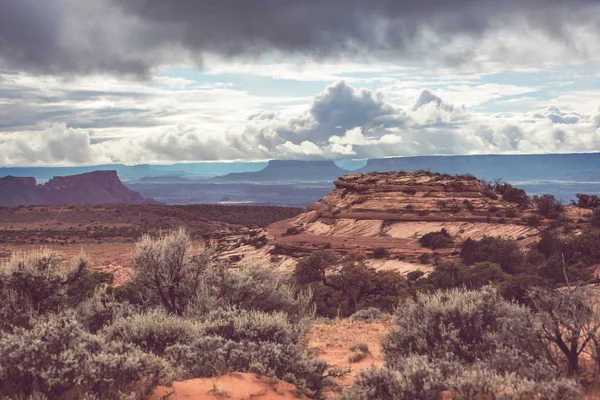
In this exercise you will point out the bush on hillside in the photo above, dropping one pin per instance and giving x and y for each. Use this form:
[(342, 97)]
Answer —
[(101, 310), (168, 270), (504, 252), (416, 379), (344, 285), (381, 252), (468, 343), (214, 355), (595, 220), (267, 343), (587, 201), (258, 289), (466, 326), (37, 283), (422, 380), (57, 356), (513, 195), (153, 330), (437, 240), (548, 206), (370, 314)]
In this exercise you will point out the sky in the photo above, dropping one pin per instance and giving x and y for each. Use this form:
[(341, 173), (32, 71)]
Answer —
[(154, 81)]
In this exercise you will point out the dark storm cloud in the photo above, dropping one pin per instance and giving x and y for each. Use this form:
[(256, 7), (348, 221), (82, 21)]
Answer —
[(130, 37)]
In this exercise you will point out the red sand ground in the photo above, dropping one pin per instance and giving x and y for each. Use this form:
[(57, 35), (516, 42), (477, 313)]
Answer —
[(235, 386)]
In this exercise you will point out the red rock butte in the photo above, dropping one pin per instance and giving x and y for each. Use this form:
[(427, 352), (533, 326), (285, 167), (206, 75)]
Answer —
[(97, 187)]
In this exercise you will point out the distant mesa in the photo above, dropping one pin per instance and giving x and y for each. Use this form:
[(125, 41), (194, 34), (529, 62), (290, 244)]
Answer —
[(97, 187), (290, 171), (509, 167)]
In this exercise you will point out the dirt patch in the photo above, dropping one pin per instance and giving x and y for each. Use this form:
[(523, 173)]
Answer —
[(332, 342), (234, 386)]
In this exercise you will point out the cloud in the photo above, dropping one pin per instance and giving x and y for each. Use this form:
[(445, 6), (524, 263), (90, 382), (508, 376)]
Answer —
[(339, 122), (557, 116), (57, 144), (135, 36), (427, 98)]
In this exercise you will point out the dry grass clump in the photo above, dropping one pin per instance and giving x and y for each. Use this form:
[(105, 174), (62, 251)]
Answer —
[(358, 352)]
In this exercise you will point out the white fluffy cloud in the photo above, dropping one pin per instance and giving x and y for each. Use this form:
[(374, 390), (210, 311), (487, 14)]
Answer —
[(57, 144), (341, 121)]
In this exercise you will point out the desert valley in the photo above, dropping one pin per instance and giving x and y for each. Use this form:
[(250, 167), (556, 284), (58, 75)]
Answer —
[(350, 267), (299, 199)]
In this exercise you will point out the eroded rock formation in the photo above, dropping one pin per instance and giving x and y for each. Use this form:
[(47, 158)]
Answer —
[(383, 216)]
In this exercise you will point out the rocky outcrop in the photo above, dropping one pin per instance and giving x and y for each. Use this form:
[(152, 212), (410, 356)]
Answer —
[(98, 187), (387, 213)]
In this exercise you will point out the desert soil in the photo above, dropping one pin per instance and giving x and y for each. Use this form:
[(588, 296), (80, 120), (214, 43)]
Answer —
[(234, 386)]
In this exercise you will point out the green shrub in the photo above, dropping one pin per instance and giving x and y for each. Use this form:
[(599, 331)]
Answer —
[(419, 378), (168, 270), (482, 274), (514, 195), (370, 314), (466, 326), (381, 252), (120, 369), (469, 205), (504, 252), (238, 340), (414, 276), (361, 347), (470, 343), (587, 201), (37, 283), (99, 311), (358, 352), (548, 206), (58, 356), (258, 289), (256, 326), (595, 220), (436, 240), (454, 208), (154, 330), (445, 275), (213, 355), (532, 220), (482, 382), (490, 194), (355, 357), (344, 285), (416, 379)]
